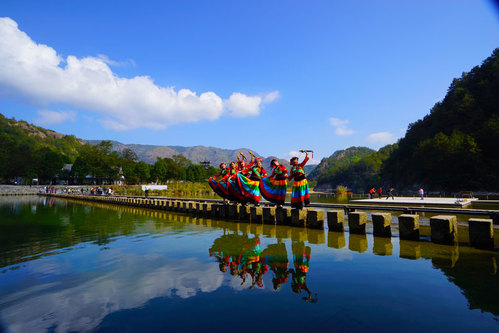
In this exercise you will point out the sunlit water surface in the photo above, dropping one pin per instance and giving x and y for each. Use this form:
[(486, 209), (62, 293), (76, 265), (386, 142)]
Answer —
[(67, 266)]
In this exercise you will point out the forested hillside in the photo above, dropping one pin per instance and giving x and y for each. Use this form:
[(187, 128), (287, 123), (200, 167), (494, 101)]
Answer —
[(357, 168), (338, 160), (30, 151), (455, 147)]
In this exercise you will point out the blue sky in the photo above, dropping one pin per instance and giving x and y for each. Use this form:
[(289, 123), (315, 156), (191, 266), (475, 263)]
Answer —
[(273, 76)]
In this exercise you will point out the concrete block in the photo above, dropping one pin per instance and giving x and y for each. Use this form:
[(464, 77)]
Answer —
[(335, 220), (269, 215), (481, 233), (215, 210), (409, 226), (207, 209), (443, 229), (233, 211), (315, 219), (283, 215), (298, 217), (256, 214), (223, 211), (382, 224), (357, 222), (245, 214)]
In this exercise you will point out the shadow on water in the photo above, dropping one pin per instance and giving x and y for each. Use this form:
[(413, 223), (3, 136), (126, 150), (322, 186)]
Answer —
[(246, 254)]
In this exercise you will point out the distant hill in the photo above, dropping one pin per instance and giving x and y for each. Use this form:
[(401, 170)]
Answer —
[(358, 175), (149, 153), (340, 159)]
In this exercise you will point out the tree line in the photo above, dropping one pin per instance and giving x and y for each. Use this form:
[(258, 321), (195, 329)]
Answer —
[(29, 152)]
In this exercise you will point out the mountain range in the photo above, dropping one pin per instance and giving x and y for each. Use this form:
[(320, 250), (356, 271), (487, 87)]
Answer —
[(196, 154)]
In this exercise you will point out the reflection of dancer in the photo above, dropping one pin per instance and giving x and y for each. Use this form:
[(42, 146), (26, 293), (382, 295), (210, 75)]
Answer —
[(276, 257), (250, 261), (301, 260)]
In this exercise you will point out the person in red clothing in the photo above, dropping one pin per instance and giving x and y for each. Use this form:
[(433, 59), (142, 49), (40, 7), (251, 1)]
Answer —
[(300, 193), (380, 192), (371, 193)]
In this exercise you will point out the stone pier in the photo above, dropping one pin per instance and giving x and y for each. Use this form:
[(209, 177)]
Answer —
[(357, 222), (382, 224), (409, 226), (269, 215), (315, 219), (336, 220), (298, 217), (481, 233), (283, 215), (443, 229), (256, 215)]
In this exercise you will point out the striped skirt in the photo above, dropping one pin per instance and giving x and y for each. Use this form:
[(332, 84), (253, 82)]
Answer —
[(235, 191), (273, 190), (249, 188), (220, 188), (299, 194)]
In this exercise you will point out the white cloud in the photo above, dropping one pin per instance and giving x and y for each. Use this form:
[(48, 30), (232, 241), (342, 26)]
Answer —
[(240, 105), (270, 97), (341, 126), (47, 117), (35, 73), (381, 138)]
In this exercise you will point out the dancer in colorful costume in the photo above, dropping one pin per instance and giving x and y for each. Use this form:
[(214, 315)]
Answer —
[(299, 195), (233, 184), (273, 188), (250, 186), (224, 173)]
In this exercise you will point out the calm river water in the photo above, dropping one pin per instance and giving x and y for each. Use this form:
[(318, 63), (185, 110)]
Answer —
[(67, 266)]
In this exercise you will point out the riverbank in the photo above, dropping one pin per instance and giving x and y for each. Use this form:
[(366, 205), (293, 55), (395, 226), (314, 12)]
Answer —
[(21, 189)]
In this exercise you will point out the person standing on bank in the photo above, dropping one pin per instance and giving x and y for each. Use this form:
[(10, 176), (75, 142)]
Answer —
[(421, 193), (390, 194), (300, 194)]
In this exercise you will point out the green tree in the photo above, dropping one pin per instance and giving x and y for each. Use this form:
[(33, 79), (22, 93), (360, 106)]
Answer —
[(142, 171)]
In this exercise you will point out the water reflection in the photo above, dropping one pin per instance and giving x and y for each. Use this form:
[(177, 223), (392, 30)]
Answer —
[(242, 256), (100, 260)]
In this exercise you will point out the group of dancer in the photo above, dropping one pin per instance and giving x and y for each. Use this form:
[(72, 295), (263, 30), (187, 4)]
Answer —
[(245, 182)]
